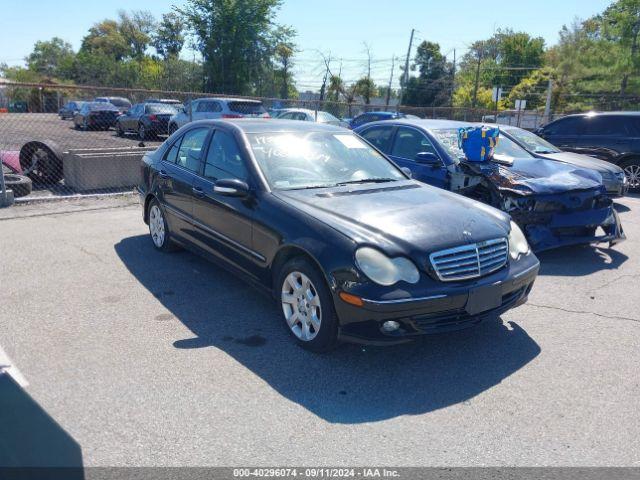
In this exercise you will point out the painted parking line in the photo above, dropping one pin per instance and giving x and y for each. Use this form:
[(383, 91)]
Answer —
[(8, 367)]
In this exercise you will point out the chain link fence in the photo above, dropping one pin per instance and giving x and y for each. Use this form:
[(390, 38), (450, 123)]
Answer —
[(66, 140)]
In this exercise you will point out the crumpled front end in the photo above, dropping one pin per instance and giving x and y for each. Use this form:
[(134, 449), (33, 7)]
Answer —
[(560, 219)]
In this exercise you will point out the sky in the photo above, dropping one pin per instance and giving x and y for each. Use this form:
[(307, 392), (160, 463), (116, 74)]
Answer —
[(335, 28)]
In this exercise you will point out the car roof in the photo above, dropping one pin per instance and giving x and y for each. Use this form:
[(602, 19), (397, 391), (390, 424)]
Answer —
[(427, 124), (379, 112), (601, 114), (272, 125), (303, 110), (229, 99)]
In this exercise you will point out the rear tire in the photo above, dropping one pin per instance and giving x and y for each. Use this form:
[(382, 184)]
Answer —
[(142, 132), (159, 228), (307, 306), (631, 169)]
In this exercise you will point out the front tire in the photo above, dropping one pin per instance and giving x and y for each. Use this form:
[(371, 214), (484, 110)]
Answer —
[(307, 306), (159, 228), (119, 130)]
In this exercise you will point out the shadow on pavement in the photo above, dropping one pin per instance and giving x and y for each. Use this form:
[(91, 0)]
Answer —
[(352, 384), (620, 208), (575, 261), (31, 440)]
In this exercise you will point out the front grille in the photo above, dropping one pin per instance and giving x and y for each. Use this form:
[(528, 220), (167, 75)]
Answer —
[(470, 261)]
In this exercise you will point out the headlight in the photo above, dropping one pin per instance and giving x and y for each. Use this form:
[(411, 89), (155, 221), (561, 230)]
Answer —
[(518, 244), (384, 270)]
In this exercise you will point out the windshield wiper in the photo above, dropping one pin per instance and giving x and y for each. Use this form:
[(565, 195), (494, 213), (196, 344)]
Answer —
[(367, 180), (309, 187)]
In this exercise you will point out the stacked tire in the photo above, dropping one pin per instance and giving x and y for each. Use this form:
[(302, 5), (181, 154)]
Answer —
[(20, 184)]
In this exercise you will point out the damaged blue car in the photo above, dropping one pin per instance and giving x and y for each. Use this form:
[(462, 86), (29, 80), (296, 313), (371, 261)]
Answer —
[(555, 204)]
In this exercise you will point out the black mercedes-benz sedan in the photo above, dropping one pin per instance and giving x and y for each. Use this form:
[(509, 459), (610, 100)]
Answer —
[(349, 246)]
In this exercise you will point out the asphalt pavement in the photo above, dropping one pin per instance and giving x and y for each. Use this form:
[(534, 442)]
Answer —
[(131, 357)]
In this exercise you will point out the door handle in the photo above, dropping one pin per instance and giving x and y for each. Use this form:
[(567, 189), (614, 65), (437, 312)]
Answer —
[(163, 174), (197, 191)]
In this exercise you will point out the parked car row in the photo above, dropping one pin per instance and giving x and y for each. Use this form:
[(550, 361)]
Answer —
[(613, 137)]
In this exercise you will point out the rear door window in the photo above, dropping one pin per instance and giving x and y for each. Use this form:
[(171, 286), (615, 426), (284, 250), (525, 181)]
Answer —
[(606, 125), (208, 106), (566, 126)]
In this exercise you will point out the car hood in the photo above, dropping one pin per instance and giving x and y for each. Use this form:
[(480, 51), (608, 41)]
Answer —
[(405, 217), (539, 175), (583, 161)]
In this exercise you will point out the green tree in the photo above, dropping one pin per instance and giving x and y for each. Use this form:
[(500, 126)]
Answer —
[(621, 24), (336, 87), (236, 39), (136, 29), (366, 88), (169, 36), (105, 38), (52, 58), (284, 55), (432, 86)]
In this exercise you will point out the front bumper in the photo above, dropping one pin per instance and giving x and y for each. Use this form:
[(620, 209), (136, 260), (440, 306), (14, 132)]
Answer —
[(448, 308), (577, 228), (571, 218)]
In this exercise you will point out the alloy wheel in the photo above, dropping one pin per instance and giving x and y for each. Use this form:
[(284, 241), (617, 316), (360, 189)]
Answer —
[(301, 306), (156, 226), (633, 175)]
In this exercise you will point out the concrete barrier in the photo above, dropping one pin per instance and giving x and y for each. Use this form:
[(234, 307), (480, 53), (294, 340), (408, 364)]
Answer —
[(100, 169)]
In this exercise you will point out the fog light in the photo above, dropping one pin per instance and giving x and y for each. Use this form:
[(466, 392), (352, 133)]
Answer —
[(390, 326)]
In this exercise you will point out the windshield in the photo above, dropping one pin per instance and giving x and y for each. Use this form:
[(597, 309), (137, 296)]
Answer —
[(506, 149), (161, 108), (531, 141), (297, 160)]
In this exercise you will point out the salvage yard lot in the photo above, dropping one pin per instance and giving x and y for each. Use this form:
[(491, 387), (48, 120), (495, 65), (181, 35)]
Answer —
[(19, 128), (144, 358)]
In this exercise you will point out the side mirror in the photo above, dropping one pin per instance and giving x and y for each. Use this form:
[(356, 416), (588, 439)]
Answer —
[(428, 158), (231, 187), (407, 172)]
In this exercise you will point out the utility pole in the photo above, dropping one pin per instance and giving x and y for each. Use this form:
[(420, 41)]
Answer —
[(393, 63), (367, 96), (406, 67), (327, 71), (547, 105)]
